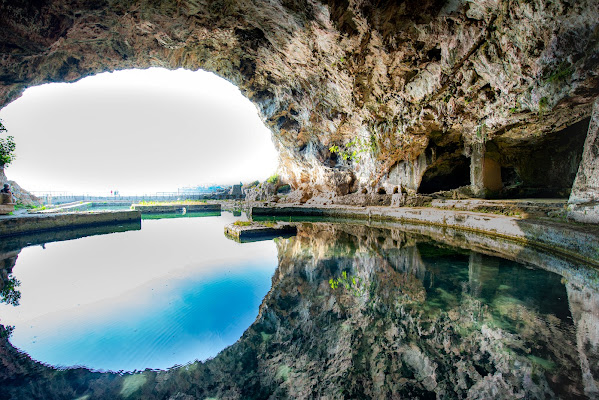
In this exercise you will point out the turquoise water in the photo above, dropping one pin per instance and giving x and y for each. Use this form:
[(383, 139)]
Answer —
[(174, 292), (347, 311)]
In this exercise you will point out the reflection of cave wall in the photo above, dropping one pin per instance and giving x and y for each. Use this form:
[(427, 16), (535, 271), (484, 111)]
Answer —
[(420, 330)]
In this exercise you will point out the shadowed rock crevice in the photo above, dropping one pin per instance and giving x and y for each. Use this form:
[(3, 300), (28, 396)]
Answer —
[(542, 166)]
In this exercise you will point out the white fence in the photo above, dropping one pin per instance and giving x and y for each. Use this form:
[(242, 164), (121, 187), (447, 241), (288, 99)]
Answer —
[(65, 197)]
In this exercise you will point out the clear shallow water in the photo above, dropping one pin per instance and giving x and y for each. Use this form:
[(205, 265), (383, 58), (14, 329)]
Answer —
[(361, 311), (173, 292)]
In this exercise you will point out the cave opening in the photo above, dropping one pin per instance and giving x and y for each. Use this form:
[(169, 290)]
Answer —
[(541, 166), (137, 131), (447, 167), (451, 173)]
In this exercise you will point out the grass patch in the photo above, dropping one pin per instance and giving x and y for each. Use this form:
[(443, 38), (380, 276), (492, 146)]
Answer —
[(561, 73), (242, 223)]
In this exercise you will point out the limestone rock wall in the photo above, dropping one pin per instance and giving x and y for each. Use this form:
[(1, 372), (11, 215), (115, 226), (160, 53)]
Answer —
[(584, 199), (22, 195), (397, 86)]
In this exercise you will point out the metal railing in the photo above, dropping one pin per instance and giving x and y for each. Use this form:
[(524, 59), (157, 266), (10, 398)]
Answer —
[(66, 197)]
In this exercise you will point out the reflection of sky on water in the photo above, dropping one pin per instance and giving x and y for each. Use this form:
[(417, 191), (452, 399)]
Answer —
[(173, 292)]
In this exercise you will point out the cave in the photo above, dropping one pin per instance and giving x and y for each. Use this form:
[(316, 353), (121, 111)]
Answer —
[(447, 167), (451, 174), (541, 166), (329, 73), (418, 97)]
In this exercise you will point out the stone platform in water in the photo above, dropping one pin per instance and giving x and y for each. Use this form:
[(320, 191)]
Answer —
[(6, 209), (175, 207), (255, 231)]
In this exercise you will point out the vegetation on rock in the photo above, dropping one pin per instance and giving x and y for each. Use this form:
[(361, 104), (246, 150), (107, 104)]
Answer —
[(7, 148)]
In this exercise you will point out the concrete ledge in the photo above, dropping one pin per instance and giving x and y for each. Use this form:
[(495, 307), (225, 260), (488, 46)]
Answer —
[(541, 207), (586, 213), (171, 208), (577, 242), (32, 223), (76, 206)]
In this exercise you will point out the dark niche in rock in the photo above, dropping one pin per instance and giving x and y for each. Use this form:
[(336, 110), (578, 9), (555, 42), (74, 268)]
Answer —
[(447, 166), (540, 165)]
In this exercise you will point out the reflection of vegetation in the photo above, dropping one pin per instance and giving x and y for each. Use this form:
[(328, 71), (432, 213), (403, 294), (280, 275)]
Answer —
[(543, 105), (9, 293), (6, 331), (350, 283), (284, 189), (561, 73)]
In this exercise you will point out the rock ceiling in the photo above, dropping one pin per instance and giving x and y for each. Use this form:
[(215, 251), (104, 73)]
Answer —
[(383, 81)]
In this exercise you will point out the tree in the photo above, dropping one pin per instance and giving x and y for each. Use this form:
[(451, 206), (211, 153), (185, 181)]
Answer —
[(7, 148)]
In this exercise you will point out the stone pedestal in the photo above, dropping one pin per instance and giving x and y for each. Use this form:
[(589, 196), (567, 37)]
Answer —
[(583, 205), (485, 173)]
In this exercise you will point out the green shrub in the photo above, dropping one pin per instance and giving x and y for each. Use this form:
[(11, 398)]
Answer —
[(543, 105), (7, 148), (284, 189)]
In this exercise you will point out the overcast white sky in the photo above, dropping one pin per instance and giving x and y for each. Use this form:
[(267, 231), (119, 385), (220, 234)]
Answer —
[(137, 131)]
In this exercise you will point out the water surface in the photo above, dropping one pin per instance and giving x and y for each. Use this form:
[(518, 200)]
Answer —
[(382, 311), (173, 292)]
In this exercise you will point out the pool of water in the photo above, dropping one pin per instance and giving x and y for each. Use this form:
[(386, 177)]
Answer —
[(173, 292), (342, 310)]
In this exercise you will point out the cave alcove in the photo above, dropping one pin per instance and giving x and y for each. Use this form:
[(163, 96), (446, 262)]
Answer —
[(540, 166), (448, 168)]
